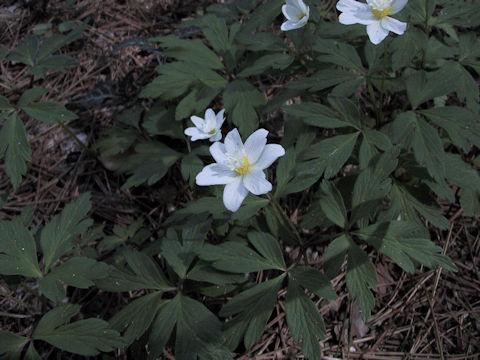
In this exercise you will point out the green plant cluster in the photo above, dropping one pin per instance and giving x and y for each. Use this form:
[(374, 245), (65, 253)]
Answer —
[(374, 136)]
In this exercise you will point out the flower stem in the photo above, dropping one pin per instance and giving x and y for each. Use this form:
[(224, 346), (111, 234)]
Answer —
[(382, 85), (283, 218)]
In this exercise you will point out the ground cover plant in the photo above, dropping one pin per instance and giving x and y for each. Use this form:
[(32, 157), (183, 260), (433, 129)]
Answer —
[(251, 180)]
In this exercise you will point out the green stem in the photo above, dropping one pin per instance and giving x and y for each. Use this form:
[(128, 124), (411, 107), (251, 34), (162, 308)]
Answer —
[(283, 218), (382, 84), (30, 290)]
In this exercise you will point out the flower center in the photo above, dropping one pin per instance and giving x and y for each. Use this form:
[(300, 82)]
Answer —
[(380, 8), (302, 15), (242, 166), (211, 132)]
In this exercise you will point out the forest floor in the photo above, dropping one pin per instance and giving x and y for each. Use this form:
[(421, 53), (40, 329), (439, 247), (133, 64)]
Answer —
[(427, 315)]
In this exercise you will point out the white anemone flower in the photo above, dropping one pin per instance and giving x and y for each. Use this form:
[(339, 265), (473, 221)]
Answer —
[(374, 14), (208, 128), (297, 14), (240, 166)]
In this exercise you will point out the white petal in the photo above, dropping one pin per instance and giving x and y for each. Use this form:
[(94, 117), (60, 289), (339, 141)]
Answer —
[(220, 118), (394, 25), (197, 121), (291, 25), (215, 174), (287, 14), (218, 152), (256, 183), (376, 32), (350, 5), (301, 5), (233, 141), (398, 5), (234, 194), (255, 144), (209, 114), (271, 153), (196, 134), (216, 137), (360, 16), (294, 13)]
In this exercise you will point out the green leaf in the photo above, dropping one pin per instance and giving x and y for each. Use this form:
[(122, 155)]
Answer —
[(135, 318), (26, 51), (58, 237), (53, 62), (268, 246), (191, 167), (252, 308), (31, 95), (406, 244), (335, 255), (158, 120), (13, 140), (19, 250), (86, 337), (78, 272), (361, 274), (240, 99), (260, 41), (216, 32), (197, 331), (274, 61), (32, 353), (195, 102), (332, 204), (314, 281), (237, 258), (149, 164), (10, 342), (304, 320), (330, 155), (325, 79), (339, 53), (5, 104), (406, 47), (316, 115), (49, 112), (194, 52)]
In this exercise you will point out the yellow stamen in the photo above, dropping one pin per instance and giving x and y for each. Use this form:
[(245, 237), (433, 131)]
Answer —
[(381, 13), (244, 168), (211, 132), (302, 15)]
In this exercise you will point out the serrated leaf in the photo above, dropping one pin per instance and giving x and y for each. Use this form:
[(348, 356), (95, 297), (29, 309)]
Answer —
[(26, 51), (195, 102), (335, 255), (240, 99), (339, 53), (59, 235), (10, 342), (190, 167), (32, 353), (53, 62), (158, 120), (325, 79), (331, 154), (13, 140), (275, 61), (252, 308), (260, 41), (268, 246), (406, 244), (361, 274), (332, 204), (314, 281), (135, 318), (203, 272), (31, 95), (19, 250), (304, 320), (197, 331), (86, 337), (316, 115), (49, 111), (78, 272)]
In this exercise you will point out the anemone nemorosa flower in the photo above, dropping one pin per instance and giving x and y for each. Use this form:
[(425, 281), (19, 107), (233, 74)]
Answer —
[(374, 14), (297, 14), (240, 167), (208, 128)]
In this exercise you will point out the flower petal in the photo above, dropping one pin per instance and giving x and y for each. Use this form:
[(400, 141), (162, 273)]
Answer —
[(398, 5), (292, 25), (360, 16), (216, 137), (256, 183), (209, 114), (350, 5), (220, 118), (293, 12), (271, 152), (302, 6), (376, 32), (196, 134), (394, 25), (218, 152), (197, 121), (233, 141), (287, 14), (234, 194), (255, 144), (215, 174)]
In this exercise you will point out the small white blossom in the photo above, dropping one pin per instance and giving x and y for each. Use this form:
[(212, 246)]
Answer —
[(297, 14), (240, 166), (208, 128), (374, 14)]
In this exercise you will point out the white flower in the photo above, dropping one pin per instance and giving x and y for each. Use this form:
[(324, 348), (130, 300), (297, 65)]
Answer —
[(208, 128), (297, 14), (240, 166), (374, 14)]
